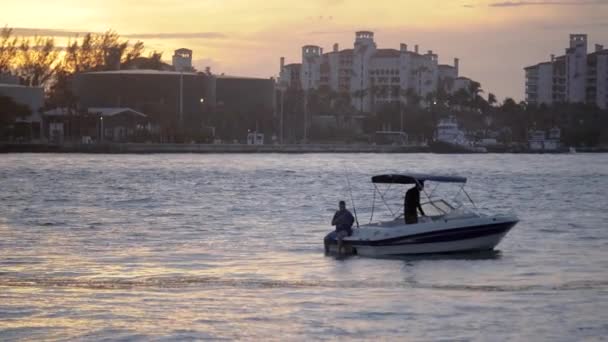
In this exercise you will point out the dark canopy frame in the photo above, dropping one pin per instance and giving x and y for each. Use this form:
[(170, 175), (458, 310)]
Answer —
[(413, 178)]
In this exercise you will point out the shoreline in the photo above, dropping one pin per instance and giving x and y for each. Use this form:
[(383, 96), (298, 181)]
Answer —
[(143, 148)]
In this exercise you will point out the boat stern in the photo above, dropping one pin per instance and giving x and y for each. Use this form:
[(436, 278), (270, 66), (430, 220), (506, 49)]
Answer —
[(331, 245)]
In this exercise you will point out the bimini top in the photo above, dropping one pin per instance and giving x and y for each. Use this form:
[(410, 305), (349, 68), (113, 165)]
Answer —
[(412, 178)]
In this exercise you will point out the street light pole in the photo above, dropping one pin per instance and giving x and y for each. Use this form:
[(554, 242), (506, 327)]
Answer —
[(181, 100), (102, 132), (282, 100), (305, 116), (362, 92), (401, 112)]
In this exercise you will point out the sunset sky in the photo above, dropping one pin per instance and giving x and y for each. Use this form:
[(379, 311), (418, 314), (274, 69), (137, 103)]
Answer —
[(493, 39)]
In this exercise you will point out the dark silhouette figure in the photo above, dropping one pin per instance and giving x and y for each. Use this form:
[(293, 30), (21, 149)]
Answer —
[(343, 220), (411, 204)]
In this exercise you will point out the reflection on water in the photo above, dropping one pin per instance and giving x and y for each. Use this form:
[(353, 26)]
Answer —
[(409, 259), (230, 247), (176, 282)]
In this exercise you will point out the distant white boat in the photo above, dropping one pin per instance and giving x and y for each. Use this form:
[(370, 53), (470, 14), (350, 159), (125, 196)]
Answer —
[(449, 138)]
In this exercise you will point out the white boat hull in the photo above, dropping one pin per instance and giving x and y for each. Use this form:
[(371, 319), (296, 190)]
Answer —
[(444, 236), (476, 244)]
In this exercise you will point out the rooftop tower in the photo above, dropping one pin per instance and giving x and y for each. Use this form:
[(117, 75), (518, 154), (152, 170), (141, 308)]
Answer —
[(182, 60)]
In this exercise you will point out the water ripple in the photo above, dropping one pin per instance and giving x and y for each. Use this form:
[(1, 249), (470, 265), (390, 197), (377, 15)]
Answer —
[(230, 247), (186, 282)]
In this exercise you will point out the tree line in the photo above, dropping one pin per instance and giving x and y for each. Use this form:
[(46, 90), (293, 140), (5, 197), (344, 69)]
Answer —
[(39, 61), (482, 115)]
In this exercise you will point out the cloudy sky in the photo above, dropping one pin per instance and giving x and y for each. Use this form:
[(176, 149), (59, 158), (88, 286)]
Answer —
[(494, 39)]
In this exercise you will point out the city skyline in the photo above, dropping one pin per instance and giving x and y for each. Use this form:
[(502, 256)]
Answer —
[(493, 39)]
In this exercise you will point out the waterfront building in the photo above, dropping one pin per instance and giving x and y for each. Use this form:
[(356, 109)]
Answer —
[(575, 77), (243, 104), (191, 102), (372, 76), (8, 78), (539, 140), (196, 103), (173, 99), (97, 124), (31, 97), (290, 74)]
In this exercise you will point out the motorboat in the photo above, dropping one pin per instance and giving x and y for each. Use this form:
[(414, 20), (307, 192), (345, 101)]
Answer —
[(448, 227), (449, 138)]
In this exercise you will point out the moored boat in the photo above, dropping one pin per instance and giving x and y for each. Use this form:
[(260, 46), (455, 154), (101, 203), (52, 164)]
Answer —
[(449, 138)]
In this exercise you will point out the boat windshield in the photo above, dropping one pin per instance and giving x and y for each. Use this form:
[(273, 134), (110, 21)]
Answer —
[(437, 207), (433, 205)]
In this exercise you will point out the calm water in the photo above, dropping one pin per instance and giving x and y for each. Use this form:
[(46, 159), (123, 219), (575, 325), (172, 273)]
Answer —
[(230, 247)]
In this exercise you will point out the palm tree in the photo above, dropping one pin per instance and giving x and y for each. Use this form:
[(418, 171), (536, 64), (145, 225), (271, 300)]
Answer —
[(460, 98), (476, 100), (442, 95), (492, 99)]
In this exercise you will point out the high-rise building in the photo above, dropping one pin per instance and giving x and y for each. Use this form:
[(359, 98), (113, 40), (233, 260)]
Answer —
[(576, 76), (372, 76)]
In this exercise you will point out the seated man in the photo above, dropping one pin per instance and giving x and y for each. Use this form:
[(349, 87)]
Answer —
[(411, 204), (343, 220)]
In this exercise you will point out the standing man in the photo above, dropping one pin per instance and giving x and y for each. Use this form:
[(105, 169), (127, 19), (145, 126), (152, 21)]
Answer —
[(343, 220), (411, 204)]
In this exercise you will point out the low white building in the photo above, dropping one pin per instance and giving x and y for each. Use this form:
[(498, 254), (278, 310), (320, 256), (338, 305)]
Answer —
[(576, 77), (372, 76)]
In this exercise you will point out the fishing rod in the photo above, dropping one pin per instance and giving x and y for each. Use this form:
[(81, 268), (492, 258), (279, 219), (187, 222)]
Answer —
[(350, 190)]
